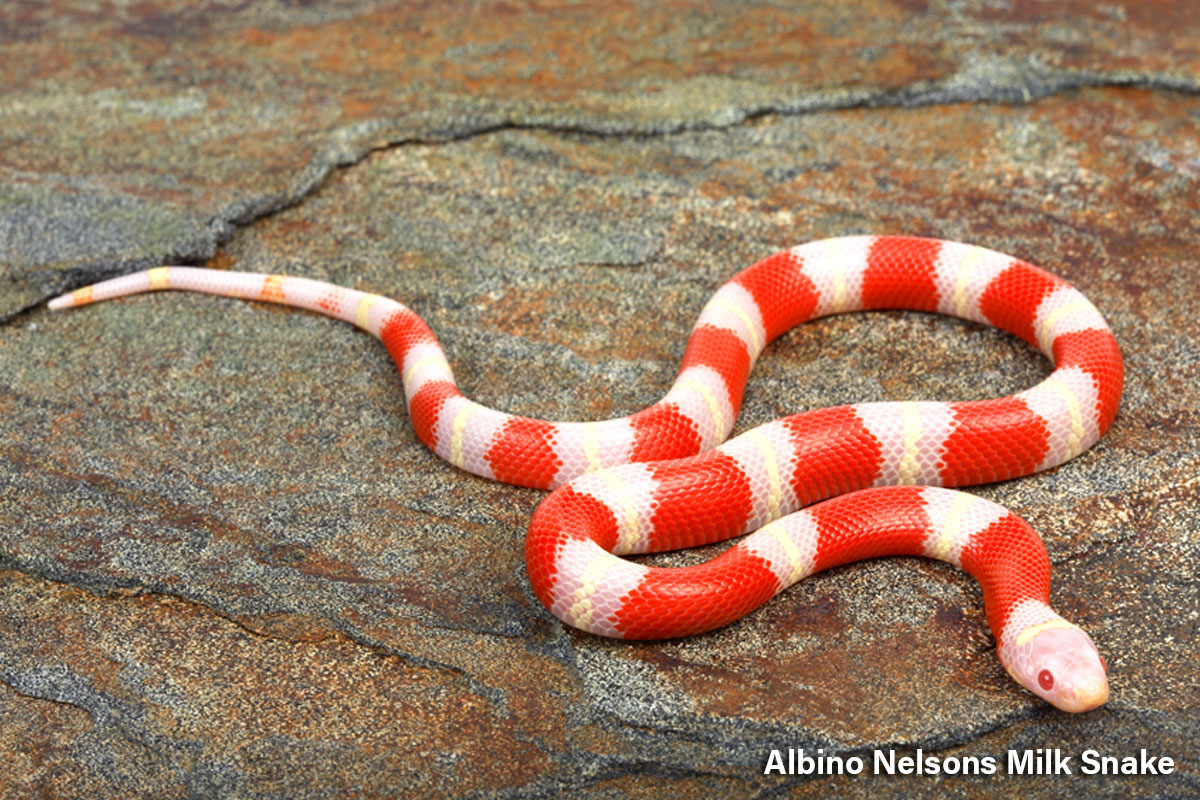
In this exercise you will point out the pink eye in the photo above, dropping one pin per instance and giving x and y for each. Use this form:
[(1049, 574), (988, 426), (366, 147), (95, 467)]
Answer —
[(1045, 680)]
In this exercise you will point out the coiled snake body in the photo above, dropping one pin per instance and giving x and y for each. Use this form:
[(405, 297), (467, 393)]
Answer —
[(661, 479)]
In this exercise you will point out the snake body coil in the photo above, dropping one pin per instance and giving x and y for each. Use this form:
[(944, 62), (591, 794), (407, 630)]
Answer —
[(865, 475)]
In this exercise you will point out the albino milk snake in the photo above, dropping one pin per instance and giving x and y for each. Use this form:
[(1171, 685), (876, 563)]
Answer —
[(661, 479)]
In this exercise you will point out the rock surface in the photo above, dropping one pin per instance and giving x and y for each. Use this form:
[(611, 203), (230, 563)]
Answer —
[(231, 569)]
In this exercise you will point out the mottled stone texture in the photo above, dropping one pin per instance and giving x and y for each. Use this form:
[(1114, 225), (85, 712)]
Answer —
[(230, 568)]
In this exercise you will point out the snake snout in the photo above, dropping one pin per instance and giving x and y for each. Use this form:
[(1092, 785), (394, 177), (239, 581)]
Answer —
[(1087, 696)]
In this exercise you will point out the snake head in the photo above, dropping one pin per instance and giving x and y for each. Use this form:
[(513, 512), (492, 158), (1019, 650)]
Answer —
[(1062, 666)]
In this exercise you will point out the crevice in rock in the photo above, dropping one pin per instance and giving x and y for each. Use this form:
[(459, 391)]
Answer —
[(58, 701), (981, 80), (129, 590)]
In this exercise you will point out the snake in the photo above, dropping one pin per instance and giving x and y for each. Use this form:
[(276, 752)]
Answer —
[(805, 492)]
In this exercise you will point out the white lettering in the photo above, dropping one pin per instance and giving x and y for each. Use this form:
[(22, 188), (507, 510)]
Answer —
[(1039, 762), (1020, 765), (888, 763), (800, 763), (1061, 764), (1142, 764)]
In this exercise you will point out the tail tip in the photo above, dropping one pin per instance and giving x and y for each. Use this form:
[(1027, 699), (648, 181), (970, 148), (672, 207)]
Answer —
[(62, 301)]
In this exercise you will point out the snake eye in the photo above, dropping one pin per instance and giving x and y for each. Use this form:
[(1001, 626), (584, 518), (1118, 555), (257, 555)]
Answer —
[(1046, 680)]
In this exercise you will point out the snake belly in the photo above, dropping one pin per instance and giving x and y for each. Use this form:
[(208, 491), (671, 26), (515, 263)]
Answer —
[(815, 490)]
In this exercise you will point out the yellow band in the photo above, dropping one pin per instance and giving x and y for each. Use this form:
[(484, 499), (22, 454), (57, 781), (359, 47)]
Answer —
[(630, 534), (362, 314), (951, 526), (1033, 630), (740, 313), (158, 277), (714, 407), (272, 289), (1078, 433), (796, 560), (771, 462), (457, 428), (591, 447), (432, 358), (962, 279), (909, 468), (593, 574), (1062, 311)]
